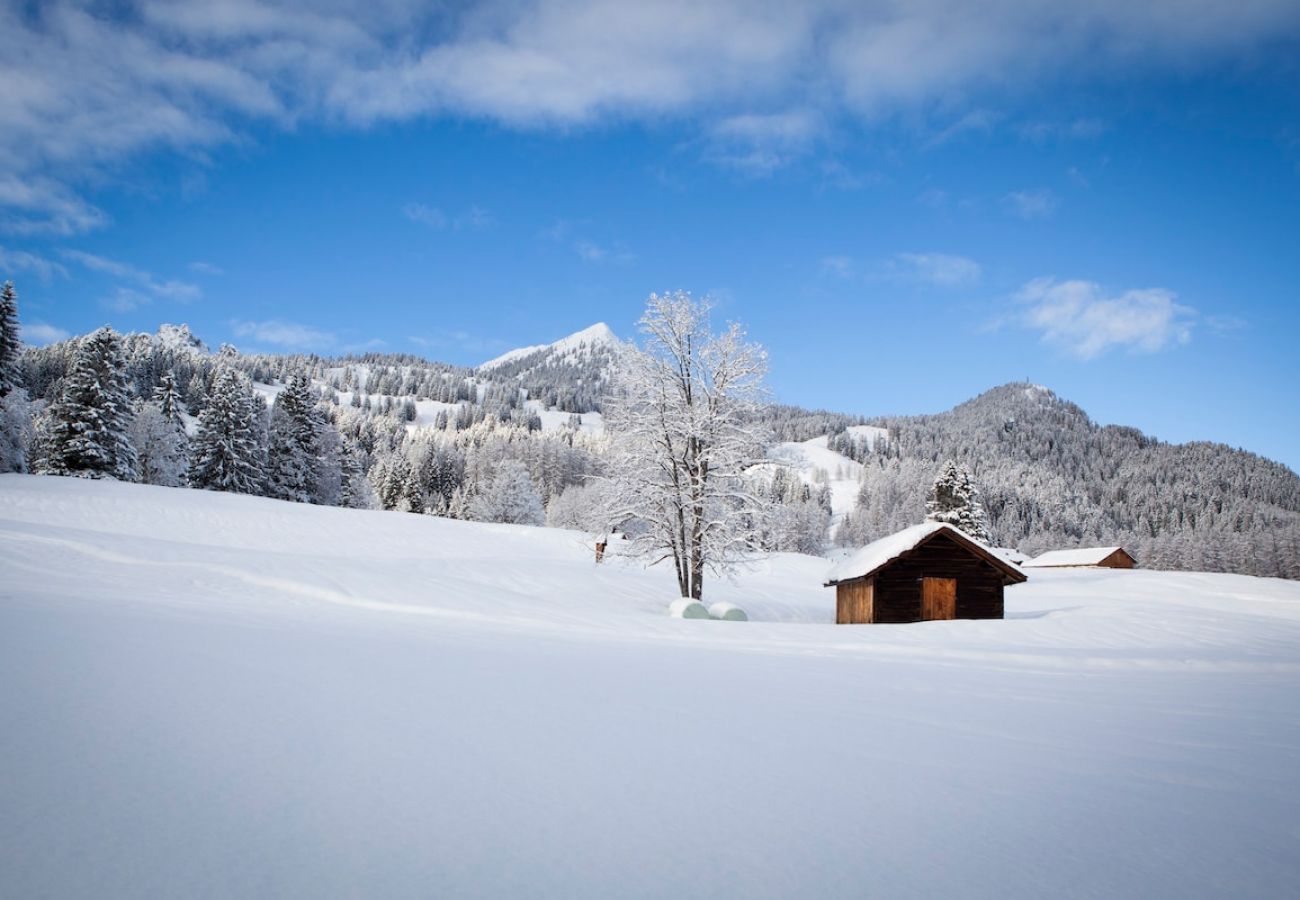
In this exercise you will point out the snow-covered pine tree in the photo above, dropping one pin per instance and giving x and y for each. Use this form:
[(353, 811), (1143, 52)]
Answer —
[(294, 444), (89, 435), (168, 397), (955, 500), (509, 496), (10, 344), (226, 454), (14, 416)]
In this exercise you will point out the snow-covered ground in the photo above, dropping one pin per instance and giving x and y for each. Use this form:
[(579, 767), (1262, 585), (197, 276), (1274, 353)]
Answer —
[(206, 695)]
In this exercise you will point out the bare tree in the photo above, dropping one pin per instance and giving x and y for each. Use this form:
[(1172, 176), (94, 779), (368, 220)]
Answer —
[(684, 428)]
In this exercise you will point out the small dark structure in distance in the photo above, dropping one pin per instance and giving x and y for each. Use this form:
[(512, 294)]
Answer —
[(926, 572)]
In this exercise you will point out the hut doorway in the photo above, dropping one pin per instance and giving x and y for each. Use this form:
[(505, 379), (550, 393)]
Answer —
[(938, 598)]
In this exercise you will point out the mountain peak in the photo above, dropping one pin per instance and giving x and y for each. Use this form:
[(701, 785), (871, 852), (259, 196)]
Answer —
[(597, 335)]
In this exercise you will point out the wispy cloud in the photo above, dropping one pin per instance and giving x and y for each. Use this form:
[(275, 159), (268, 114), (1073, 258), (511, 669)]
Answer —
[(1084, 320), (41, 333), (87, 87), (125, 299), (759, 144), (1029, 205), (279, 333), (476, 218), (940, 269), (458, 339), (13, 261), (1074, 129), (150, 287), (32, 204), (592, 252), (838, 266), (205, 268)]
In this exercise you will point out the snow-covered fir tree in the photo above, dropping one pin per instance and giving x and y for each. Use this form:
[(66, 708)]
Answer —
[(509, 496), (955, 500), (295, 444), (168, 397), (685, 430), (161, 447), (227, 453), (90, 422), (15, 414), (10, 342)]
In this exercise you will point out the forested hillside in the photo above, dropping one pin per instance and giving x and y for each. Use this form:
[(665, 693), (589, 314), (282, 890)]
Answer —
[(521, 439), (1053, 478)]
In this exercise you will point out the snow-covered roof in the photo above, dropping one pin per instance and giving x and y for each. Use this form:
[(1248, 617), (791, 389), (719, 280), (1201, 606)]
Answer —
[(1084, 556), (878, 553)]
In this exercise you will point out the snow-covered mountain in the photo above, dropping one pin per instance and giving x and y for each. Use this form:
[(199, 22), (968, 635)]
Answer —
[(217, 695), (570, 375), (584, 342)]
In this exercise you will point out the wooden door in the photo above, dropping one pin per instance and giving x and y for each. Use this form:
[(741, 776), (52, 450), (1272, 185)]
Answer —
[(938, 598)]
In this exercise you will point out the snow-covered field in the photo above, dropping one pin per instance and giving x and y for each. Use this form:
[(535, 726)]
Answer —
[(205, 695)]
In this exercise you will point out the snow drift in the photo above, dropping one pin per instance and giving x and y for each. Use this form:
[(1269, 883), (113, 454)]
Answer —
[(208, 695)]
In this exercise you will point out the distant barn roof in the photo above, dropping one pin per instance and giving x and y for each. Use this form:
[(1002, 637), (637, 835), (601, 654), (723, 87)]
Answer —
[(1083, 556), (876, 555)]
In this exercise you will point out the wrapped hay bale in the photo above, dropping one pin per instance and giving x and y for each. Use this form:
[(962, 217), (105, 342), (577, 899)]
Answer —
[(686, 608), (727, 612)]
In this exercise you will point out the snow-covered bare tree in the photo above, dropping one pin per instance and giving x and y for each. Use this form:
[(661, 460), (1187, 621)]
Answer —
[(160, 446), (684, 429), (955, 500), (92, 417)]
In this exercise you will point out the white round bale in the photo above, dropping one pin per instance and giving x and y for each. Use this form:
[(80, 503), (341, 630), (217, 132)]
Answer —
[(686, 608), (727, 612)]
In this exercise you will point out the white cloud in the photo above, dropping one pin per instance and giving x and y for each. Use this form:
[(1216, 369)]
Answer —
[(939, 269), (1082, 319), (1029, 205), (839, 266), (40, 333), (12, 261), (592, 252), (36, 205), (166, 289), (476, 218), (87, 87), (205, 268), (279, 333), (425, 215), (458, 339), (125, 300)]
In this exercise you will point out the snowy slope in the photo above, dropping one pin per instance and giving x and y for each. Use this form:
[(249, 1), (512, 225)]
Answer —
[(599, 334), (207, 695), (817, 465)]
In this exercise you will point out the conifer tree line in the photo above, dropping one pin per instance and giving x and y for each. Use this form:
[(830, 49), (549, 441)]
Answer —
[(342, 431)]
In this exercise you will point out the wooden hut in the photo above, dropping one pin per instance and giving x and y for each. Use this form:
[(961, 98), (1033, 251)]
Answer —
[(1093, 557), (930, 571)]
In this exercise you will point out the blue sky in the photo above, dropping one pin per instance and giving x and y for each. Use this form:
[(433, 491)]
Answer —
[(906, 205)]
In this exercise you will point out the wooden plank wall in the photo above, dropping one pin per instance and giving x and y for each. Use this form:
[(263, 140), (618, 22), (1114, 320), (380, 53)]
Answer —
[(853, 602), (897, 596)]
